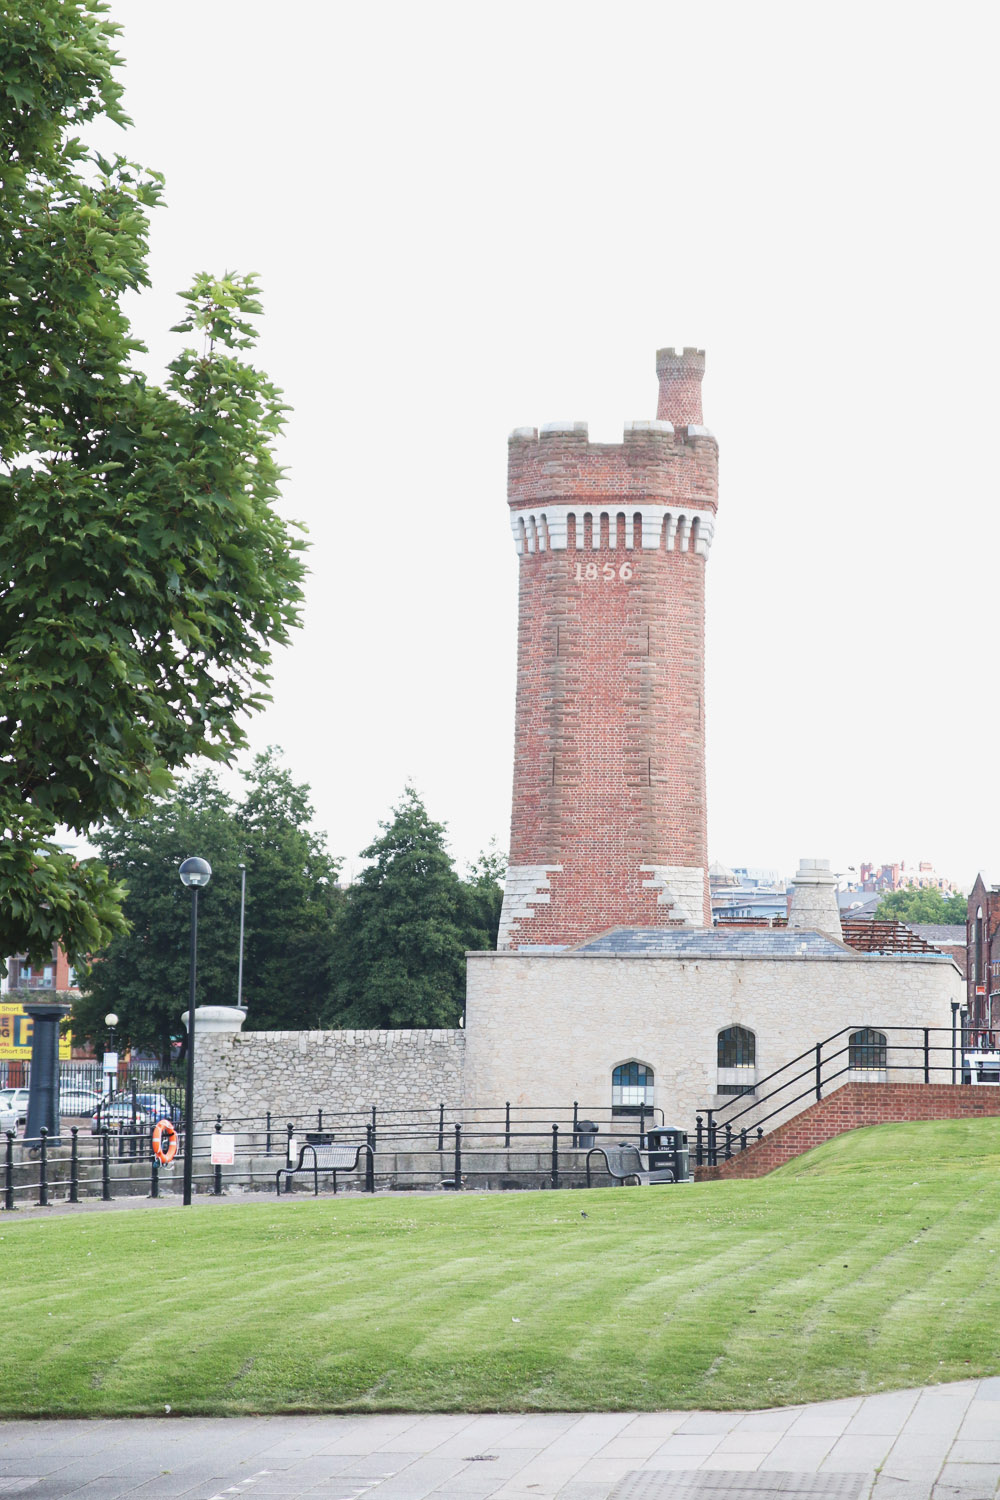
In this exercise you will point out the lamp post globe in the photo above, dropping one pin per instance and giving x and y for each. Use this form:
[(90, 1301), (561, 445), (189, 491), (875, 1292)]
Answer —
[(195, 873)]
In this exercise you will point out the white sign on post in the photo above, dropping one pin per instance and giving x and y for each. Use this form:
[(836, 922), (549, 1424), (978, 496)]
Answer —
[(223, 1150), (111, 1062)]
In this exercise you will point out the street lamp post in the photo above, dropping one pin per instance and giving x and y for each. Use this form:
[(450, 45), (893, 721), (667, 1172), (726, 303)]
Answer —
[(195, 874), (243, 907), (110, 1055)]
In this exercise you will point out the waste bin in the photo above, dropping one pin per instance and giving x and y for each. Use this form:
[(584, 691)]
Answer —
[(668, 1150), (586, 1133)]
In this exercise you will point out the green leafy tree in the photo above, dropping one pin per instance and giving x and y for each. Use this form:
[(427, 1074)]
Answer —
[(293, 903), (483, 889), (400, 949), (913, 905), (291, 908), (145, 574)]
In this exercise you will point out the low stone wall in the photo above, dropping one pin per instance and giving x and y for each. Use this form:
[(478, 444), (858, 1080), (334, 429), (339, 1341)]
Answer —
[(292, 1073)]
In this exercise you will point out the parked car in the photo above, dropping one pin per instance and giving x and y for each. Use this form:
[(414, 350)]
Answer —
[(78, 1102), (9, 1120), (15, 1100), (148, 1109)]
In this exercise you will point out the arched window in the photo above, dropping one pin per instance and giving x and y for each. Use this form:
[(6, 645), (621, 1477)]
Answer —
[(631, 1087), (737, 1061), (866, 1051)]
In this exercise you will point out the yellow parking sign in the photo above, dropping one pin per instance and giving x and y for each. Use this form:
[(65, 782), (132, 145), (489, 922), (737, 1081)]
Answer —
[(15, 1035)]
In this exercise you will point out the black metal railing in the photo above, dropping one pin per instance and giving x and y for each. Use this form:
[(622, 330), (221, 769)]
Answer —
[(446, 1147), (890, 1053)]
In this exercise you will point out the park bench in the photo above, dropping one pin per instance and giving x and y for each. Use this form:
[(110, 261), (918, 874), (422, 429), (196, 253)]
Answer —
[(319, 1158), (625, 1165)]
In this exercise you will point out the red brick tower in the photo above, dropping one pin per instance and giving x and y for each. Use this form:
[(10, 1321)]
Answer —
[(608, 824)]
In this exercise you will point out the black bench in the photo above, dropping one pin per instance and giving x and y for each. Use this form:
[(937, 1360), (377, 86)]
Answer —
[(325, 1158), (625, 1165)]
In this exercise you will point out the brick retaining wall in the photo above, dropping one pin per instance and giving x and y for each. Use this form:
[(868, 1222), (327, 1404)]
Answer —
[(850, 1108)]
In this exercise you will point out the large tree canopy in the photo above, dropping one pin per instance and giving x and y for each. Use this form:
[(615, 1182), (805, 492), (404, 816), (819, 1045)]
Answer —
[(144, 575), (292, 902), (399, 956), (929, 905)]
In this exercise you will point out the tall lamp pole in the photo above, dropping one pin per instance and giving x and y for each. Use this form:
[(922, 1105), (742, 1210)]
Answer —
[(195, 874), (243, 907)]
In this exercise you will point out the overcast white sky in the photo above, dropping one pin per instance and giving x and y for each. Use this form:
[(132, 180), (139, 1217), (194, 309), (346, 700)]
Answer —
[(469, 218)]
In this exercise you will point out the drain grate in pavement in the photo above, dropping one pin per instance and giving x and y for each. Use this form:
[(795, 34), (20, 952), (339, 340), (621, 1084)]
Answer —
[(727, 1484), (481, 1458)]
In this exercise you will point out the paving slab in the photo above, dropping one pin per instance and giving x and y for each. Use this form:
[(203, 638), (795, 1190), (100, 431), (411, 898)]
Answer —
[(940, 1443)]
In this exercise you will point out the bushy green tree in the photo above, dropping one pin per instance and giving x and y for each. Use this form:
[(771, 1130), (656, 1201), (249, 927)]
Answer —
[(399, 956), (145, 574), (293, 903), (483, 890), (291, 908), (913, 905)]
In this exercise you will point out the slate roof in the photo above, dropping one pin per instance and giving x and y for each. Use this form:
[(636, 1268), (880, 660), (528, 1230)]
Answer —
[(715, 942), (938, 932)]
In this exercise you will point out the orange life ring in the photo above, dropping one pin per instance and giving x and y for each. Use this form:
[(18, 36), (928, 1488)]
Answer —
[(164, 1153)]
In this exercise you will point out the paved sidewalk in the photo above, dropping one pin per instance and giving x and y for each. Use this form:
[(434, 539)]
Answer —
[(943, 1441)]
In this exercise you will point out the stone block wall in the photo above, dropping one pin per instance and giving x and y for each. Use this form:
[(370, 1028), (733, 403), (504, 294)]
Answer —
[(548, 1027), (293, 1073)]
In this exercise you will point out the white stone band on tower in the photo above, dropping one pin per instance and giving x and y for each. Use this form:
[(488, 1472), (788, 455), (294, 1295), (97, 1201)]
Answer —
[(546, 529)]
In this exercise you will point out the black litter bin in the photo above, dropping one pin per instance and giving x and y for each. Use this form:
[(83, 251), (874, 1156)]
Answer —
[(668, 1151), (586, 1133)]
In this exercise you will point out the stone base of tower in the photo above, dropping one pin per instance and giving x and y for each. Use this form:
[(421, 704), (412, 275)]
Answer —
[(562, 905)]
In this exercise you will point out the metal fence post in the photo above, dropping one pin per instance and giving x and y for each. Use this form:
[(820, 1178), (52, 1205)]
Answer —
[(713, 1133), (506, 1140), (74, 1166), (729, 1142), (370, 1163), (555, 1155), (699, 1130), (642, 1127), (927, 1054), (374, 1127), (43, 1173), (441, 1126), (217, 1184), (458, 1158), (133, 1143), (8, 1174), (743, 1139), (954, 1037), (290, 1128), (576, 1123), (267, 1149), (105, 1167), (819, 1070), (154, 1176), (319, 1121)]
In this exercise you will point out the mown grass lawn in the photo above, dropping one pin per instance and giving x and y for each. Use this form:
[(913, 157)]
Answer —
[(871, 1263)]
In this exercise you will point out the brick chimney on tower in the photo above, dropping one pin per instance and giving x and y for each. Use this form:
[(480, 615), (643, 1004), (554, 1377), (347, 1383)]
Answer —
[(608, 823)]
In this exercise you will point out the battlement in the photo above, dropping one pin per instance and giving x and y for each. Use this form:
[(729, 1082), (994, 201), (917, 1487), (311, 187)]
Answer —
[(655, 462)]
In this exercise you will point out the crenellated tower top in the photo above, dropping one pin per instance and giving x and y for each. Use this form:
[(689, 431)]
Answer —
[(680, 374)]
